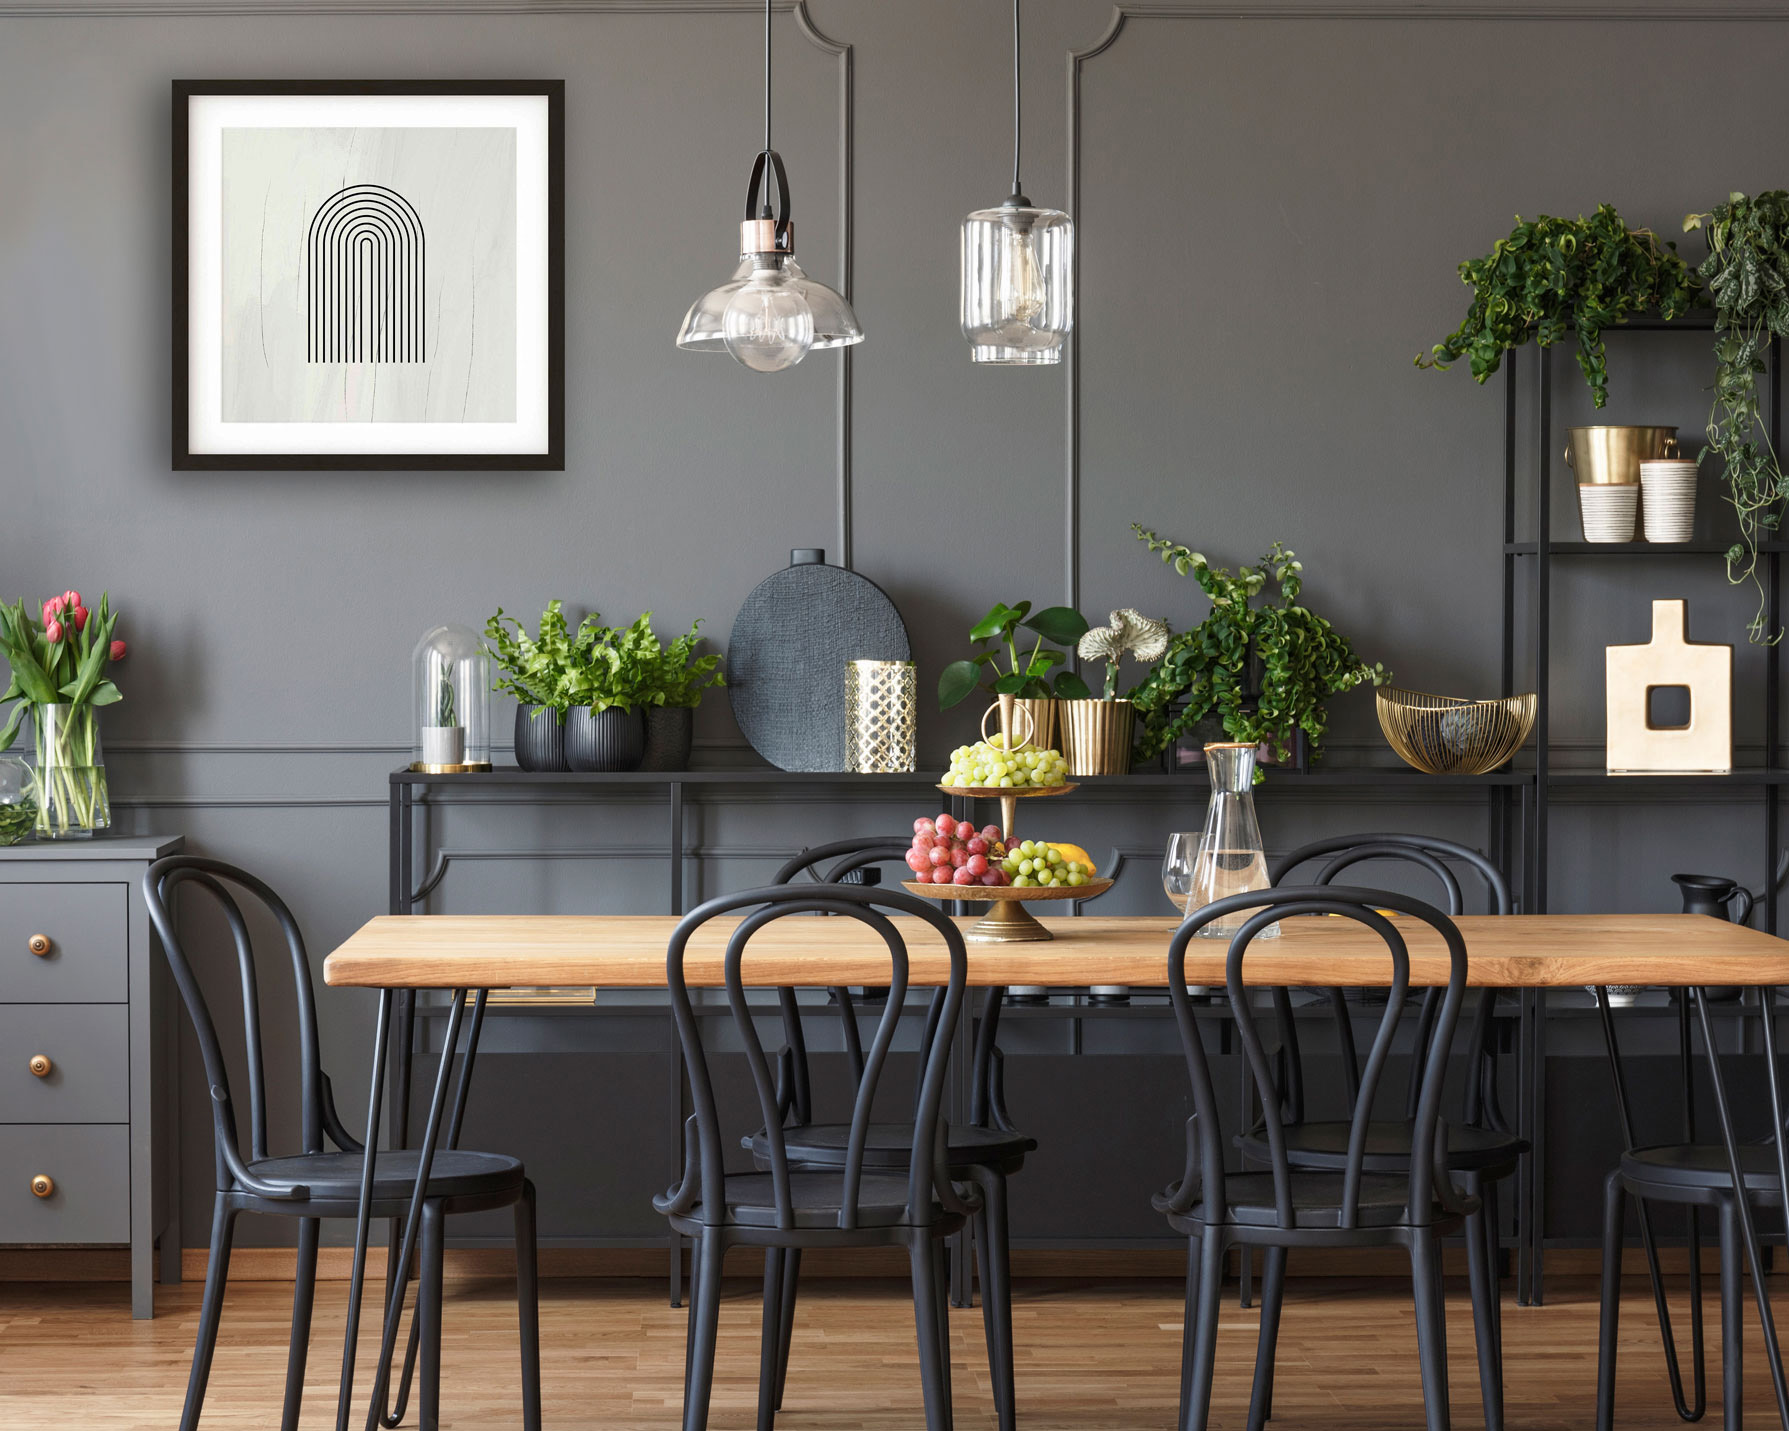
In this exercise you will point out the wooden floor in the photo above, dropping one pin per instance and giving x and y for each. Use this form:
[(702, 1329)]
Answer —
[(1092, 1356)]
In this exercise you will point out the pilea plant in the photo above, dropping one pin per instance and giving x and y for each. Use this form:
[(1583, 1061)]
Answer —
[(1747, 274), (1552, 277), (1028, 676), (1302, 659)]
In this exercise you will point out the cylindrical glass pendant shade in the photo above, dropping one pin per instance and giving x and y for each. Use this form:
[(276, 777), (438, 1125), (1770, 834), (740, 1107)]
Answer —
[(1018, 300)]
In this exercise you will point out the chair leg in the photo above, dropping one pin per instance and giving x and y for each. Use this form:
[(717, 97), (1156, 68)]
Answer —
[(786, 1318), (941, 1280), (1273, 1293), (705, 1313), (1494, 1250), (993, 1244), (217, 1272), (304, 1290), (1195, 1409), (1431, 1326), (926, 1296), (528, 1306), (1189, 1323), (1732, 1318), (770, 1338), (431, 1250), (1484, 1297), (1614, 1214)]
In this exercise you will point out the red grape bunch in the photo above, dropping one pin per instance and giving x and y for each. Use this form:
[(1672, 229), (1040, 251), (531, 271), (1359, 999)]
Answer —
[(951, 851)]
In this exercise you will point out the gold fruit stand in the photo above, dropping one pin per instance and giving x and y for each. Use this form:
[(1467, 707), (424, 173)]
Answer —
[(1007, 920)]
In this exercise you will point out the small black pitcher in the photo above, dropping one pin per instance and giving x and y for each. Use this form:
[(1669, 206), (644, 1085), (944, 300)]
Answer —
[(1713, 895)]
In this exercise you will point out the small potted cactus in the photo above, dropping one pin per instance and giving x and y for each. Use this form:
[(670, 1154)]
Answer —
[(1097, 731)]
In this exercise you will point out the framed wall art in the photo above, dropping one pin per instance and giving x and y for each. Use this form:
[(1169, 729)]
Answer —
[(369, 274)]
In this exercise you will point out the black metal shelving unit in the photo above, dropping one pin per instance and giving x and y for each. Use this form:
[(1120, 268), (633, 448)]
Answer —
[(1539, 551)]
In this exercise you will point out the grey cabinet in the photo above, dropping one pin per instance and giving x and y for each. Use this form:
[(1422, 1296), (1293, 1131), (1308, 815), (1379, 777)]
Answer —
[(87, 1021)]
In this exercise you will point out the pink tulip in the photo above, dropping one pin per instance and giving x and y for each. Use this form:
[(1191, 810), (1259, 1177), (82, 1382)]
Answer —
[(52, 609), (71, 599), (53, 631), (117, 650), (80, 618)]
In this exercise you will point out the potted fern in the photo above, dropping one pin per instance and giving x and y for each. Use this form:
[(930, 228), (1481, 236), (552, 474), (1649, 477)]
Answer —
[(534, 669), (675, 684), (1263, 670)]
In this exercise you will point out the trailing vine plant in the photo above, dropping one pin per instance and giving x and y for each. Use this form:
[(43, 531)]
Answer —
[(1552, 277), (1303, 659), (1747, 273)]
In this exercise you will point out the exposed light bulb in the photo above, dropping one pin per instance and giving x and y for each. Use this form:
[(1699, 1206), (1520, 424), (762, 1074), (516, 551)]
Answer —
[(768, 325), (1020, 292)]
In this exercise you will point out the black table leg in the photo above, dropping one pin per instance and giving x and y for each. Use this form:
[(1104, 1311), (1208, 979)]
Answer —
[(381, 1032)]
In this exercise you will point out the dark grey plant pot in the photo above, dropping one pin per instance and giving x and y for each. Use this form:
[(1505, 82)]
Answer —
[(606, 741), (540, 739), (670, 732)]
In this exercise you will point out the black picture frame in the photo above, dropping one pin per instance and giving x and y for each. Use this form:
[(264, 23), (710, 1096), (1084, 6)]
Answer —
[(552, 459)]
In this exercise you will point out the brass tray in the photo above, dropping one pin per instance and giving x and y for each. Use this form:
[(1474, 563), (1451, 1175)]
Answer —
[(1008, 922)]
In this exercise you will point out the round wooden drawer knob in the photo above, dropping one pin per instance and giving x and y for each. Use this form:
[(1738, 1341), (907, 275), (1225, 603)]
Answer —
[(39, 944), (43, 1185), (41, 1065)]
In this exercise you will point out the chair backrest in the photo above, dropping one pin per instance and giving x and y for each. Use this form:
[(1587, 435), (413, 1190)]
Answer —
[(1204, 1177), (704, 1160), (1329, 858), (317, 1114)]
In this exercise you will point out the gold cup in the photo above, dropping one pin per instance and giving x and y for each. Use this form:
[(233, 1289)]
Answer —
[(1097, 736)]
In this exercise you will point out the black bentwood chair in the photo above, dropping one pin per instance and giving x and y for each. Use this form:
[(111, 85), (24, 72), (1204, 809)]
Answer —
[(1287, 1207), (984, 1151), (315, 1183), (785, 1206), (1481, 1149), (1696, 1175)]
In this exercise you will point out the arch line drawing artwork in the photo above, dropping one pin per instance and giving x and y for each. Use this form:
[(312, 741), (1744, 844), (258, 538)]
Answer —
[(366, 270)]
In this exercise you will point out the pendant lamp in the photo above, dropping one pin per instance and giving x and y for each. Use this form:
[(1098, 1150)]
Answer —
[(1018, 269), (769, 315)]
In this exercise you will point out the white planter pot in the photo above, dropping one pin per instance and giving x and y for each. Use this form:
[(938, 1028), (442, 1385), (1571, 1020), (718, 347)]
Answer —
[(443, 744)]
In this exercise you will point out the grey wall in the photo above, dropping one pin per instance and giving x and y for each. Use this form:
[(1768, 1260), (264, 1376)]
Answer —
[(1270, 211)]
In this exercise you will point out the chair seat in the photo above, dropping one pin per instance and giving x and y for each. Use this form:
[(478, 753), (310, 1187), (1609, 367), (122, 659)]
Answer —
[(1703, 1167), (331, 1176), (1325, 1145), (815, 1199), (888, 1146), (1316, 1201)]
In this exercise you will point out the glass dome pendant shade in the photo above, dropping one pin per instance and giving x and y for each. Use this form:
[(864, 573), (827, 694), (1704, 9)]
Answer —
[(769, 315), (1018, 270)]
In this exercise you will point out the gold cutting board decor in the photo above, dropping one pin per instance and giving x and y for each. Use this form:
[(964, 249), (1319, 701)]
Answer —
[(1635, 745)]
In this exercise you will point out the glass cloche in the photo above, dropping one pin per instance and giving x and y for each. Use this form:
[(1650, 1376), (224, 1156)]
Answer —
[(453, 702)]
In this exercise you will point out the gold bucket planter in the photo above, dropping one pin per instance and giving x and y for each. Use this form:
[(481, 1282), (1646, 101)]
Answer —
[(1039, 720), (1097, 736), (1611, 456)]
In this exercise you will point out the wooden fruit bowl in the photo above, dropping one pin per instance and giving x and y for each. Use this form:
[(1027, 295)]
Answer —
[(1008, 921)]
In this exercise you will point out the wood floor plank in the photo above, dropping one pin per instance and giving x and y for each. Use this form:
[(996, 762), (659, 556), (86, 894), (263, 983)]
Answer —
[(1089, 1357)]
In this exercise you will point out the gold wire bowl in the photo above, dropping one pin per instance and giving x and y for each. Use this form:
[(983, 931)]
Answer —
[(1444, 735)]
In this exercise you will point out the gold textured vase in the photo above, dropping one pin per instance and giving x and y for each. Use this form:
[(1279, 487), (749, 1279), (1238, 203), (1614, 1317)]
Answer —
[(1039, 719), (1097, 736), (881, 716)]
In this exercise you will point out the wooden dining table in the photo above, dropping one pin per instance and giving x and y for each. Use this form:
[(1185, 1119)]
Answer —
[(1527, 953)]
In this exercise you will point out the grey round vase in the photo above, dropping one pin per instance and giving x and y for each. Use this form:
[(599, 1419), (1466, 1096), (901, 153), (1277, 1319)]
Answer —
[(604, 740), (670, 732), (540, 739)]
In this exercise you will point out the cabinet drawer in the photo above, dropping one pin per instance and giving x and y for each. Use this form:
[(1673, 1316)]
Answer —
[(90, 1169), (86, 926), (88, 1078)]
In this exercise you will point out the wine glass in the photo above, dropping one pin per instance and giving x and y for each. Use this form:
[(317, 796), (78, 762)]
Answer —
[(1178, 865)]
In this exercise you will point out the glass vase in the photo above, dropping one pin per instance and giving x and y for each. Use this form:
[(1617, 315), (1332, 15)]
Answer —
[(1230, 859), (18, 801), (72, 799)]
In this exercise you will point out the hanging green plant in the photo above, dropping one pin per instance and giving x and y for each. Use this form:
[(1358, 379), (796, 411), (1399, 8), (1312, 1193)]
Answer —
[(1747, 274), (1552, 277)]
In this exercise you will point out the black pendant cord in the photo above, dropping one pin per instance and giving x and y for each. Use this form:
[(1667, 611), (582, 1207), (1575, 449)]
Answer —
[(767, 76), (1018, 127)]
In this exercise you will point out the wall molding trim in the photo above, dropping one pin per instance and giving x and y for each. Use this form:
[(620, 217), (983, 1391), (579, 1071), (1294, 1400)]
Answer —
[(437, 9)]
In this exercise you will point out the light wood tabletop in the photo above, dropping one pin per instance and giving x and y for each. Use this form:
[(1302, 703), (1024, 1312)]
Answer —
[(628, 952)]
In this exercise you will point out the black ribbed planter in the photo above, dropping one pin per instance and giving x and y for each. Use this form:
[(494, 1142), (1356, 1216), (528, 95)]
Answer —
[(670, 732), (608, 740), (540, 739)]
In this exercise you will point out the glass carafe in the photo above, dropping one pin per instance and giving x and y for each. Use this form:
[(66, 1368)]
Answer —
[(1230, 859)]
